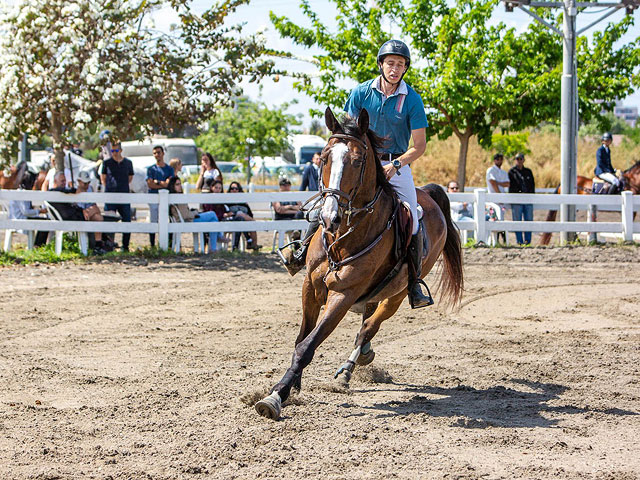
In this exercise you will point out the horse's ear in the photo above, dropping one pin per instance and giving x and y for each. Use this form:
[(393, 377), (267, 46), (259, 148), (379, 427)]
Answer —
[(332, 123), (363, 121)]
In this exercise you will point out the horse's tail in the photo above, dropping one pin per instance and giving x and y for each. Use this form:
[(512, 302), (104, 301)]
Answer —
[(452, 279), (545, 238)]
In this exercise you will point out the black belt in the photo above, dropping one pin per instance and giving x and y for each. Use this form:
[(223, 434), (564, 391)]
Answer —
[(389, 156)]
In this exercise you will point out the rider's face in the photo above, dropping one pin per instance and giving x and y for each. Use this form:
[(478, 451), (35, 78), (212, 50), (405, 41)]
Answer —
[(393, 67)]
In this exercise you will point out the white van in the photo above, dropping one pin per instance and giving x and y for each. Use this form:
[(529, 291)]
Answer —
[(304, 146), (141, 152)]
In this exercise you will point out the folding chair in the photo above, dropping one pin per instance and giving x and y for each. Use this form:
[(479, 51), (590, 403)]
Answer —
[(83, 237), (8, 234), (198, 237)]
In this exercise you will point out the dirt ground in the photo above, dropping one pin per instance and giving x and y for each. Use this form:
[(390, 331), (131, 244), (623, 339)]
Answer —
[(148, 369)]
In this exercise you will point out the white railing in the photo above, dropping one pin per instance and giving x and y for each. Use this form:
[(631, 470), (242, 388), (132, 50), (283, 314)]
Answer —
[(627, 203)]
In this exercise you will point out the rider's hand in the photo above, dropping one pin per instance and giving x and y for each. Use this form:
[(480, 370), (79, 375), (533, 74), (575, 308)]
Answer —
[(389, 171)]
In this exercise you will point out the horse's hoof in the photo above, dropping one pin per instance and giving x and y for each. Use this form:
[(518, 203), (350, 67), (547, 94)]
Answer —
[(366, 358), (269, 407), (342, 379)]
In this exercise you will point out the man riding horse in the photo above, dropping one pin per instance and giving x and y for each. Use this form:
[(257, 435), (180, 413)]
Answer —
[(396, 113), (604, 170)]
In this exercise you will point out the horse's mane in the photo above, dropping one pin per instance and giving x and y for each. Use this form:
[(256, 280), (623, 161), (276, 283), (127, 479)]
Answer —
[(635, 165), (350, 127)]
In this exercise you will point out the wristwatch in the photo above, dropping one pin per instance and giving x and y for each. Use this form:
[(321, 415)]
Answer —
[(397, 164)]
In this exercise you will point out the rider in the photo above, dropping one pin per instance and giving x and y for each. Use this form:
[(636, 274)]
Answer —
[(396, 112), (604, 170)]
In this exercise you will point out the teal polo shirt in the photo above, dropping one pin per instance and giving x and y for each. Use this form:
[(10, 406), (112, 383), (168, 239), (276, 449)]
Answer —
[(392, 118)]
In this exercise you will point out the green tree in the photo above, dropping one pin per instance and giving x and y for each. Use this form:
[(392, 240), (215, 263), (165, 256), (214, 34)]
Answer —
[(229, 130), (68, 66), (474, 75)]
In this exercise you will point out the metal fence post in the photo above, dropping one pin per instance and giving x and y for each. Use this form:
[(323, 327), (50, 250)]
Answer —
[(163, 219), (627, 216), (478, 213)]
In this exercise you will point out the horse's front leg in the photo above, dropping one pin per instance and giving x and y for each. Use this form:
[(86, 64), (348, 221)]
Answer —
[(336, 308), (363, 354), (310, 311)]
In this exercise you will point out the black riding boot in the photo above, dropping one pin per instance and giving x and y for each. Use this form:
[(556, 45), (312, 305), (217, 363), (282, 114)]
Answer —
[(294, 260), (417, 299)]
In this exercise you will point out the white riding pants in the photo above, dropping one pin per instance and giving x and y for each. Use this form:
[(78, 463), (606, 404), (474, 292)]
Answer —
[(611, 178), (406, 190)]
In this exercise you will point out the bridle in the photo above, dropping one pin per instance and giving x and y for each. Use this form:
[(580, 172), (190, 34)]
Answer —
[(346, 208)]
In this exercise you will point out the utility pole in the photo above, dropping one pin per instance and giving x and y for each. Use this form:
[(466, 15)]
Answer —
[(569, 84)]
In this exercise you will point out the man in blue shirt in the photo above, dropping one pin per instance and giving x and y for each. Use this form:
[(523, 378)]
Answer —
[(158, 176), (116, 174), (604, 169), (396, 112), (311, 173)]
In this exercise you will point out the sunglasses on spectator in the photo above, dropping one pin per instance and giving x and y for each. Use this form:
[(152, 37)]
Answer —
[(114, 150), (454, 188), (233, 188)]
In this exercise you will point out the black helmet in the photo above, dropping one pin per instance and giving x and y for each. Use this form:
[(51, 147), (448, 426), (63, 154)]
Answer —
[(607, 136), (394, 47)]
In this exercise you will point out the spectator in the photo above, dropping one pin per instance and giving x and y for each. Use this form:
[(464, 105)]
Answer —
[(176, 164), (497, 179), (241, 212), (311, 174), (287, 210), (521, 181), (67, 210), (460, 211), (158, 176), (116, 174), (208, 169), (498, 182), (48, 181), (182, 210), (23, 210), (90, 210), (604, 169)]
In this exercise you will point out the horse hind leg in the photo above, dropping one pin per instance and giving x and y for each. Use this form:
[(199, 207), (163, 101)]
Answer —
[(363, 354)]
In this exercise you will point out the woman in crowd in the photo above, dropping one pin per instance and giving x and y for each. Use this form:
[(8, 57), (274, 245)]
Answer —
[(182, 210), (241, 212), (208, 169)]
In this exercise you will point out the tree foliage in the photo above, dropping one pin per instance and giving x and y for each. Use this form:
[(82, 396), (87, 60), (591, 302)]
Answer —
[(69, 65), (270, 128), (474, 75)]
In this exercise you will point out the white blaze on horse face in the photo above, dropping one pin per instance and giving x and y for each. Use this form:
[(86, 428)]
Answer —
[(330, 209)]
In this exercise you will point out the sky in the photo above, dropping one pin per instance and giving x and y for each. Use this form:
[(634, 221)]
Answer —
[(256, 18)]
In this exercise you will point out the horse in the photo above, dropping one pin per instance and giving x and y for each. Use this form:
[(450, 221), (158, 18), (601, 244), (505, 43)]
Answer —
[(23, 174), (350, 257), (630, 181)]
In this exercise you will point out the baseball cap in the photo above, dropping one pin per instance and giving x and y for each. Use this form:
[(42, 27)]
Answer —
[(84, 176)]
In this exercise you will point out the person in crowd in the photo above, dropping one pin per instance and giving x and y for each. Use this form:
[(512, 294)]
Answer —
[(241, 212), (176, 164), (158, 176), (498, 182), (287, 210), (604, 169), (48, 180), (521, 181), (311, 174), (90, 210), (23, 210), (208, 169), (220, 209), (460, 211), (188, 215), (116, 174), (67, 210)]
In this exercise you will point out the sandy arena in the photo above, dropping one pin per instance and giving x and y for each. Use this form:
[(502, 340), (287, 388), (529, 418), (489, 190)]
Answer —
[(149, 370)]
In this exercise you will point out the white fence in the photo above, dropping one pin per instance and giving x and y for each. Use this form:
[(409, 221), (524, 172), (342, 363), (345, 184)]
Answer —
[(626, 203)]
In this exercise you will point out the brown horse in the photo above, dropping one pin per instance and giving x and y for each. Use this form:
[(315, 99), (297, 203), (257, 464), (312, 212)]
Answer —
[(20, 174), (630, 181), (350, 257)]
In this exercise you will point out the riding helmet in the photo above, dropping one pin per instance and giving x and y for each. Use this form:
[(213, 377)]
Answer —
[(394, 47), (607, 136)]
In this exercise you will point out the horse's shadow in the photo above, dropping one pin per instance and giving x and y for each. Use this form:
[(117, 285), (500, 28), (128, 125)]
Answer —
[(497, 406)]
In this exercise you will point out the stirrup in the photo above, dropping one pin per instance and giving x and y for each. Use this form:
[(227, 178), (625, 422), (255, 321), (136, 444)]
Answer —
[(427, 299)]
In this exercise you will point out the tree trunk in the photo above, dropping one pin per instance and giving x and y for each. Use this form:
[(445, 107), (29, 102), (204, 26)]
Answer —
[(56, 135), (462, 158)]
